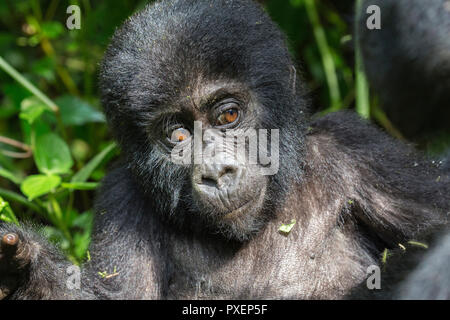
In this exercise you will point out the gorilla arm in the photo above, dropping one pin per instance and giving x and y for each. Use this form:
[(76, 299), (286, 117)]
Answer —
[(392, 188), (31, 267), (389, 193)]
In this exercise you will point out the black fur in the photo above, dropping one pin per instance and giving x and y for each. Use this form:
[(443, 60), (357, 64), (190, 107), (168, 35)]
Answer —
[(408, 63), (353, 190), (413, 271), (430, 279)]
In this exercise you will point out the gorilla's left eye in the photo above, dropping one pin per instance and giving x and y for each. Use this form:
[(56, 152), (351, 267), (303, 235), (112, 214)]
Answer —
[(228, 116), (179, 135)]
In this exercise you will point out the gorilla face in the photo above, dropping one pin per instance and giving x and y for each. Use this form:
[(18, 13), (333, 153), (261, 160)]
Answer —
[(213, 127), (228, 189)]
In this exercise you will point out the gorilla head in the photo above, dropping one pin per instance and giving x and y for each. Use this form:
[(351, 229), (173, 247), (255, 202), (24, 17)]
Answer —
[(226, 66)]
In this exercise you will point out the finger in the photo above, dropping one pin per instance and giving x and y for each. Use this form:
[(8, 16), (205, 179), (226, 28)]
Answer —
[(10, 239), (9, 243)]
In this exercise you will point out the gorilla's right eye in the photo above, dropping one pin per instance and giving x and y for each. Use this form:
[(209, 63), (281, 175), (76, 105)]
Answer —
[(179, 135)]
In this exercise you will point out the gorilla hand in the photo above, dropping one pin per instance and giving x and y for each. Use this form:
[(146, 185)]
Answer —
[(15, 257)]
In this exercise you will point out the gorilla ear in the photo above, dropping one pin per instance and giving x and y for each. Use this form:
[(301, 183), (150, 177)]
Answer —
[(292, 77)]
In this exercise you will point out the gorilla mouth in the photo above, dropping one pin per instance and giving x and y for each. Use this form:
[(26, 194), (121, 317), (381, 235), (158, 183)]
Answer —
[(242, 209), (254, 204)]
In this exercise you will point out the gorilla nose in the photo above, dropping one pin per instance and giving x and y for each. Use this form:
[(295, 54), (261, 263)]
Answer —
[(217, 175)]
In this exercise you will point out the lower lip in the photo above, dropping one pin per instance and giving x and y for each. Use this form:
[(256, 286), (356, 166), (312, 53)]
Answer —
[(246, 206), (238, 211)]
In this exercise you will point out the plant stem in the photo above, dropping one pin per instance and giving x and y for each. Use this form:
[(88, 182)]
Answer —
[(362, 86), (12, 196), (5, 66), (58, 215), (327, 58)]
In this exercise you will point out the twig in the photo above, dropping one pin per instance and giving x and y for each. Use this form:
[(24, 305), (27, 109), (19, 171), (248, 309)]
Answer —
[(17, 144)]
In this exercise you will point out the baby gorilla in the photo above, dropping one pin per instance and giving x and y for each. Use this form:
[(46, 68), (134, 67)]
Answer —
[(209, 228)]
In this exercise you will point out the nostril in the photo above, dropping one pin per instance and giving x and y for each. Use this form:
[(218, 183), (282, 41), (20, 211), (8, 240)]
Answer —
[(217, 176), (228, 171)]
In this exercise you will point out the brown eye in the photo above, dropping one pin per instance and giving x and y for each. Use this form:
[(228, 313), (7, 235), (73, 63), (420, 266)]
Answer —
[(227, 117), (179, 135)]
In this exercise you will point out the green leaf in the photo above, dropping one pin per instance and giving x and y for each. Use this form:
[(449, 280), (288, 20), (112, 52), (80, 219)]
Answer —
[(86, 171), (52, 155), (39, 185), (9, 175), (31, 109), (75, 111), (13, 196), (286, 228), (6, 213), (80, 185)]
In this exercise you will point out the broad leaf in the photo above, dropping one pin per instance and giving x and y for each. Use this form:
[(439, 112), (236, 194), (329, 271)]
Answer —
[(52, 155), (31, 109), (9, 175), (6, 213), (39, 185)]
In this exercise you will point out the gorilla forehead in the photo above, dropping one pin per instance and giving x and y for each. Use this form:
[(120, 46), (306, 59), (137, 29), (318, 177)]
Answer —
[(170, 42)]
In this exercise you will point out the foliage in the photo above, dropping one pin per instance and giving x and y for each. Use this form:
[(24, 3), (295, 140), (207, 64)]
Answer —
[(54, 145)]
